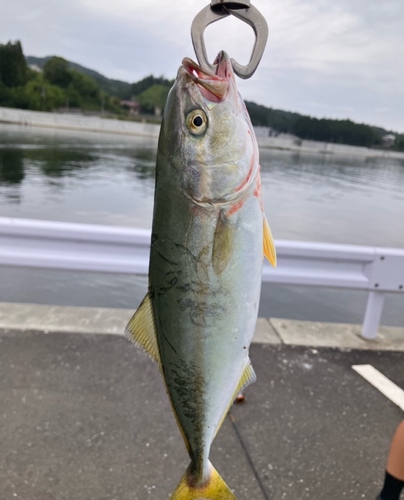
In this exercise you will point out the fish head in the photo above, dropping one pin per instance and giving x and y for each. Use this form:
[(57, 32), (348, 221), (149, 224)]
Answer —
[(208, 135)]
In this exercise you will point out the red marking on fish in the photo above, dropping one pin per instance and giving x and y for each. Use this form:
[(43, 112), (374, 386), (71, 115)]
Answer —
[(235, 208), (257, 191), (248, 175)]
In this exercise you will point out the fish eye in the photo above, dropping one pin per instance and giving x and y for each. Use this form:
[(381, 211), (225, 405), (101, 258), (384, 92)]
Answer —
[(197, 122)]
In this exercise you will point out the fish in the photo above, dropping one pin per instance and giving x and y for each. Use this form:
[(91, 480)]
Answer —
[(209, 237)]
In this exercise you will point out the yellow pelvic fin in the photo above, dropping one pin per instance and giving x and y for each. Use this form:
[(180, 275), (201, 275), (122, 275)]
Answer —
[(214, 489), (247, 377), (222, 244), (141, 329), (269, 246)]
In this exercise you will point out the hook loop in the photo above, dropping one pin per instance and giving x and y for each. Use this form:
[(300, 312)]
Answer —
[(220, 9)]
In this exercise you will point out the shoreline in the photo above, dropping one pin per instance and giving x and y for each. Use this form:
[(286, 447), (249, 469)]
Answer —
[(120, 127)]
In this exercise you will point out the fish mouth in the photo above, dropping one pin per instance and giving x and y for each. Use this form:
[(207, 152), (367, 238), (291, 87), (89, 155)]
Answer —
[(213, 86)]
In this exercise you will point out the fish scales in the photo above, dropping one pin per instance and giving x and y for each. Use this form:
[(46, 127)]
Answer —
[(205, 261)]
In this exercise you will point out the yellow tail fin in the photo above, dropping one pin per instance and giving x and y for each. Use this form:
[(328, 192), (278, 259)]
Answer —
[(215, 489)]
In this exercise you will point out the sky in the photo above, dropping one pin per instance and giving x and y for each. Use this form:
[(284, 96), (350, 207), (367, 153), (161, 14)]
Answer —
[(326, 58)]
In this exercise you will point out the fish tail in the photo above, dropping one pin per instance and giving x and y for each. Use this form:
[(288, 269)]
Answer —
[(214, 489)]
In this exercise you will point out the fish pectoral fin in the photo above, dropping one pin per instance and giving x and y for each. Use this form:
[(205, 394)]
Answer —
[(269, 246), (141, 329), (214, 489), (223, 244)]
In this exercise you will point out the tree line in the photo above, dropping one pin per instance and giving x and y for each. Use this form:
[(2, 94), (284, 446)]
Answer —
[(315, 129), (62, 83), (340, 131)]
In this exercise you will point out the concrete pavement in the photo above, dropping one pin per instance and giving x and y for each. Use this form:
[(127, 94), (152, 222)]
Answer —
[(86, 416)]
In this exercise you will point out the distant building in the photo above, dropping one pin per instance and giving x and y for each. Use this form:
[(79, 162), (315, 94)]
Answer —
[(132, 106), (389, 140), (35, 67)]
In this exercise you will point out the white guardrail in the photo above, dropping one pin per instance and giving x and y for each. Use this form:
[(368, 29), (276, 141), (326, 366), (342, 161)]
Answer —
[(85, 247)]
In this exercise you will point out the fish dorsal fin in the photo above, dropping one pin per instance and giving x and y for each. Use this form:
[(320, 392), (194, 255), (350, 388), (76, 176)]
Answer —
[(141, 329), (248, 377), (223, 244), (269, 246)]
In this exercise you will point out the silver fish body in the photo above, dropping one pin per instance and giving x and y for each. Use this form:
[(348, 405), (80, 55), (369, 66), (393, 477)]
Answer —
[(206, 259)]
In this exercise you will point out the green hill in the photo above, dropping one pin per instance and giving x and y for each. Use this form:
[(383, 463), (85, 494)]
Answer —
[(115, 88)]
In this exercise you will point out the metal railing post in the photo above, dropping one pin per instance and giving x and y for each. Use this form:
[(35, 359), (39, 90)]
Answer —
[(373, 315)]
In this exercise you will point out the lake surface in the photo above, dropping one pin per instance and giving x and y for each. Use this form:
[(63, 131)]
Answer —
[(109, 179)]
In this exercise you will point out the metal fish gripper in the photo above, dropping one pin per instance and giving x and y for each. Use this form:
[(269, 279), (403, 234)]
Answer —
[(243, 10)]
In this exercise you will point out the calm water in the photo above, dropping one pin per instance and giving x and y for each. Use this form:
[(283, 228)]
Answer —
[(108, 179)]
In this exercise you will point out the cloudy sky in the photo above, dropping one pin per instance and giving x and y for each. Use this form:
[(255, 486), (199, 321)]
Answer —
[(332, 58)]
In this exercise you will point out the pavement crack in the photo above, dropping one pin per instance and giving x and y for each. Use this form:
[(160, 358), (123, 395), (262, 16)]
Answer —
[(248, 455), (276, 330)]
